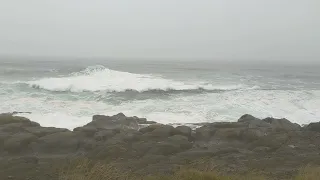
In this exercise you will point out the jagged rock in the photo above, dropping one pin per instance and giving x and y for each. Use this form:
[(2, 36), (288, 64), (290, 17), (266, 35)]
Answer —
[(282, 124), (119, 121), (314, 127), (248, 118), (250, 142), (205, 132), (157, 131), (141, 120), (183, 130), (8, 119), (87, 131), (253, 122)]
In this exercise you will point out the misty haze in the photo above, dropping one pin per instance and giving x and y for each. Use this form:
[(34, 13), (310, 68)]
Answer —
[(151, 85)]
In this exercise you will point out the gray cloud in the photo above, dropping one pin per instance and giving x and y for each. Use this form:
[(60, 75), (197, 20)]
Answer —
[(221, 29)]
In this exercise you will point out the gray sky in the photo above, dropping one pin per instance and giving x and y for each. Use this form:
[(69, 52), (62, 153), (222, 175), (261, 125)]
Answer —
[(209, 29)]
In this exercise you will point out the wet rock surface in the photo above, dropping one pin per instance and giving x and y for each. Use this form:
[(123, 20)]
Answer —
[(275, 146)]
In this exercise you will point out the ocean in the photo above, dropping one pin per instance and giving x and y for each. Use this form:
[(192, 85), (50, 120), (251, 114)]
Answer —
[(67, 93)]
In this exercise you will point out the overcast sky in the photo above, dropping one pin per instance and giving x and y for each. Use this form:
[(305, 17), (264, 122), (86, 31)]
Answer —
[(203, 29)]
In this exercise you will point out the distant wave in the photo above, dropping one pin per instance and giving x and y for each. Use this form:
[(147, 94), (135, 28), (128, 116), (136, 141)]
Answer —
[(99, 78)]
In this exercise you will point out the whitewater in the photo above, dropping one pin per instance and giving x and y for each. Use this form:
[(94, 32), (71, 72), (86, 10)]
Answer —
[(67, 94)]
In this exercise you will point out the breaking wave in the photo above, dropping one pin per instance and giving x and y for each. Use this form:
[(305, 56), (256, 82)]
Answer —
[(99, 78)]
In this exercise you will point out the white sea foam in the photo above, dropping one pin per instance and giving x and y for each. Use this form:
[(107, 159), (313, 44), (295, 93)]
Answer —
[(69, 110), (298, 106), (99, 78)]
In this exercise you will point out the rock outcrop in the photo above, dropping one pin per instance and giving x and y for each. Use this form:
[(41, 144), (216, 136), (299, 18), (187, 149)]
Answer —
[(28, 150)]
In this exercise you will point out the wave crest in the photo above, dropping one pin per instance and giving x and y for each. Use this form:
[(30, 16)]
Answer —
[(100, 78)]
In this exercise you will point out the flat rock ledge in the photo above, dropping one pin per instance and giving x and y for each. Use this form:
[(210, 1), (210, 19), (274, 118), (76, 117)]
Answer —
[(277, 147)]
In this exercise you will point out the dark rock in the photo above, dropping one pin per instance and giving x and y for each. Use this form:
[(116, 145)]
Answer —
[(273, 141), (228, 133), (261, 149), (61, 142), (226, 151), (253, 134), (8, 119), (87, 131), (13, 128), (314, 127), (141, 148), (150, 128), (219, 125), (194, 154), (43, 131), (248, 118), (119, 121), (173, 145), (282, 124), (19, 142), (128, 136), (269, 145), (157, 131), (88, 144), (140, 120), (183, 130), (104, 134), (253, 122), (205, 132)]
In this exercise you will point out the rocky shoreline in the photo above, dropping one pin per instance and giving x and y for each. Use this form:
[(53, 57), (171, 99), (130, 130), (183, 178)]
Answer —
[(275, 147)]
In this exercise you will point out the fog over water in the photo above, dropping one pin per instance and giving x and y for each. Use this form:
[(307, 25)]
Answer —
[(174, 62), (286, 30)]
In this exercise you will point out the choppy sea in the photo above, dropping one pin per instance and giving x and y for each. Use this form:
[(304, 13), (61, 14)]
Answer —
[(67, 93)]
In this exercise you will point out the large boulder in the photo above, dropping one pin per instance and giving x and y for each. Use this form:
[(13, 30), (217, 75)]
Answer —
[(157, 131), (253, 122), (119, 121), (282, 124), (205, 132), (313, 127), (220, 130), (183, 130), (9, 119), (88, 131)]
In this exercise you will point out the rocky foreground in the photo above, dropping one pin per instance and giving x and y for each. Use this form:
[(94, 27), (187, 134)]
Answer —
[(276, 147)]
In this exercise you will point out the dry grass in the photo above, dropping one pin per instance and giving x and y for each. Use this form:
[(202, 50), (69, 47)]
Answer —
[(87, 170), (84, 169), (192, 174), (309, 173)]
